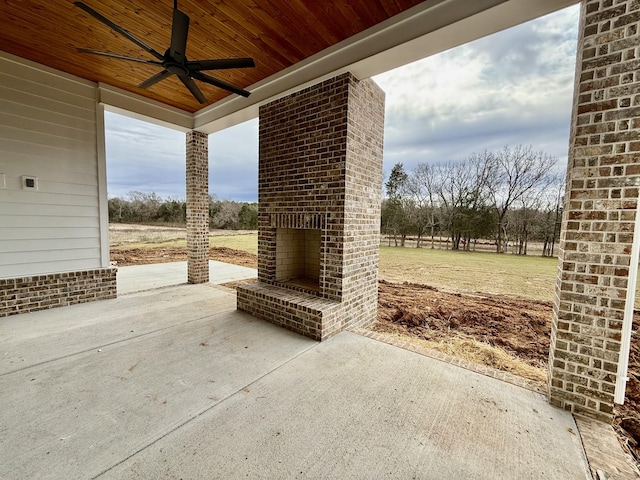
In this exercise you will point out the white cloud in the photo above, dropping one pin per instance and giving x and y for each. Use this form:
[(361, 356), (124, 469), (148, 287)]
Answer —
[(143, 157), (233, 162), (509, 88)]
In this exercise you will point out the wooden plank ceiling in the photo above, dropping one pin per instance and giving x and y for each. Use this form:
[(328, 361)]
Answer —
[(275, 33)]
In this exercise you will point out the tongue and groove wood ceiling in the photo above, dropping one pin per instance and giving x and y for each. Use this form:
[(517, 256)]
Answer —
[(276, 33)]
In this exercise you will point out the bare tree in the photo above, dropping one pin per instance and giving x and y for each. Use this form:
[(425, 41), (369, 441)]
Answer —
[(511, 175), (421, 185), (522, 220), (462, 199), (226, 216), (551, 213), (144, 206)]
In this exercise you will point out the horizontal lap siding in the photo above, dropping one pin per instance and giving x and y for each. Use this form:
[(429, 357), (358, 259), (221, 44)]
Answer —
[(48, 131)]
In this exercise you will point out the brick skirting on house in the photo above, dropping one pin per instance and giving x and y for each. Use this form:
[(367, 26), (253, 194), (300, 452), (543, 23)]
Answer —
[(40, 292)]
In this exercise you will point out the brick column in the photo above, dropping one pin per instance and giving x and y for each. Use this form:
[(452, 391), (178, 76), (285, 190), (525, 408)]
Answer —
[(600, 209), (197, 207)]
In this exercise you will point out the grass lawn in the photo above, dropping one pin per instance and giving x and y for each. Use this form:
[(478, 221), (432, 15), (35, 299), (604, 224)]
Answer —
[(526, 276), (248, 243)]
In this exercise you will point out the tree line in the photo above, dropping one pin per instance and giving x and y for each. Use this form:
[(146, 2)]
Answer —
[(149, 208), (508, 197)]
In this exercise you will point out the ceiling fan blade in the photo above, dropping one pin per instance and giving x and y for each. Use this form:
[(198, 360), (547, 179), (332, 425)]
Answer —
[(155, 79), (220, 84), (115, 55), (193, 88), (179, 32), (220, 64), (118, 29)]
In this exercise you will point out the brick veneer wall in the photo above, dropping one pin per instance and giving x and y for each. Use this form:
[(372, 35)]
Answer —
[(197, 207), (28, 294), (600, 209), (321, 167)]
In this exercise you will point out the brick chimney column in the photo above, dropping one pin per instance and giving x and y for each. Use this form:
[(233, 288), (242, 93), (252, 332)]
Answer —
[(320, 192)]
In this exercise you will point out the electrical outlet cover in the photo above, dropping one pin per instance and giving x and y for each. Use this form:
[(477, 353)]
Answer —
[(29, 183)]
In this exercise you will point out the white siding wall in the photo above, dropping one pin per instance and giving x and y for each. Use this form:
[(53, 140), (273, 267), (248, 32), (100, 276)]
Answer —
[(48, 130)]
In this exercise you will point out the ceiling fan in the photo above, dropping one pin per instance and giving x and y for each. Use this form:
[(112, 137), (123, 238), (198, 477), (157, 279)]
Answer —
[(174, 60)]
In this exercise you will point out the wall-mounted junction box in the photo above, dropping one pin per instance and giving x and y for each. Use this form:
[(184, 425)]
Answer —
[(29, 183)]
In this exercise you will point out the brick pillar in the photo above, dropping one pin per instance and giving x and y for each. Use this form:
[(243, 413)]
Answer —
[(600, 209), (197, 207)]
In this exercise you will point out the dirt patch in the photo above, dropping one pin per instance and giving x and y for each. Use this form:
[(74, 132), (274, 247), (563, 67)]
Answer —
[(627, 421), (236, 257), (143, 256), (519, 326)]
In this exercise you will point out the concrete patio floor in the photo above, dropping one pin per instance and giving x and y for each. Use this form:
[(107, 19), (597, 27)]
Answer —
[(175, 383), (137, 278)]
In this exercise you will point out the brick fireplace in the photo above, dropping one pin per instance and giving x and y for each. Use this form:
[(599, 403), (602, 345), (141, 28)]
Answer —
[(320, 181)]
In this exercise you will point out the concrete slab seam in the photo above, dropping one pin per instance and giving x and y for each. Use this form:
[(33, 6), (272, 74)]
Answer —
[(152, 289), (110, 344), (199, 414)]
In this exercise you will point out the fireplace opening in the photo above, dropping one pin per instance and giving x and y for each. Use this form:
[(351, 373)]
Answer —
[(298, 258)]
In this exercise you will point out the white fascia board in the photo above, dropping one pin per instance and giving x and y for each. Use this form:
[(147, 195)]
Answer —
[(622, 376), (426, 29), (136, 106)]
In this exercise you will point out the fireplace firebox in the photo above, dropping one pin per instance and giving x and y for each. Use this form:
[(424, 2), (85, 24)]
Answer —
[(298, 258)]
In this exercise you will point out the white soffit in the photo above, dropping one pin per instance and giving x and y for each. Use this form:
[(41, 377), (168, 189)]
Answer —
[(136, 106), (424, 30)]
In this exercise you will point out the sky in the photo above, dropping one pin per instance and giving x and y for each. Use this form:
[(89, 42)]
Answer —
[(514, 87)]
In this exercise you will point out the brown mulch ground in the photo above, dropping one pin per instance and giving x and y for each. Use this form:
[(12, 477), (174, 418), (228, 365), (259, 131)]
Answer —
[(144, 256), (519, 326)]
